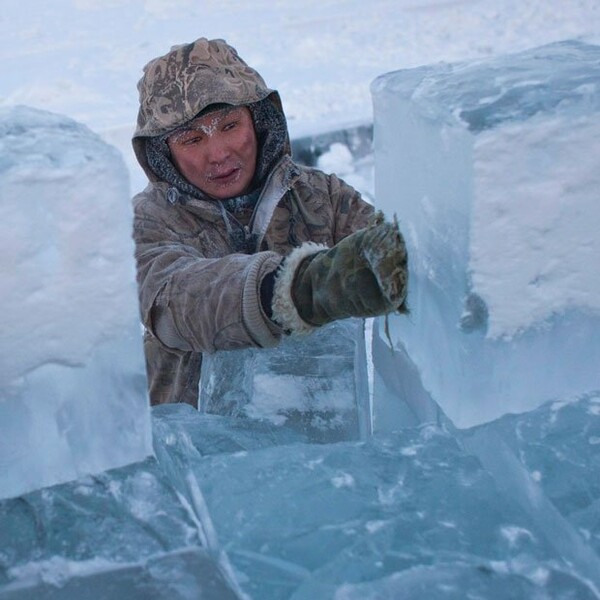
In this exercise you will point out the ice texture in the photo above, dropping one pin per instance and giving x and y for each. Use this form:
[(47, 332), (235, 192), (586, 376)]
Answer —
[(559, 446), (242, 508), (493, 168), (72, 383), (406, 514), (139, 532), (316, 384)]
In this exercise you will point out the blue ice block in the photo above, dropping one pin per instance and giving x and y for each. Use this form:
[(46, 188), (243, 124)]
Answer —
[(315, 384), (407, 514), (493, 168), (73, 397), (139, 532)]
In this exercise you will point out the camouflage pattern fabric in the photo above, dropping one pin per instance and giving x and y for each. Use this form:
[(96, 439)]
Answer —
[(179, 85), (364, 275), (196, 293)]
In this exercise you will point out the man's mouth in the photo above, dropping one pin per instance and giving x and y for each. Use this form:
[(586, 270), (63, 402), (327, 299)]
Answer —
[(226, 176)]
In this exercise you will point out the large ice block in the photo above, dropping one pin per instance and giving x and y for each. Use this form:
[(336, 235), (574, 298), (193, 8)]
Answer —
[(559, 446), (493, 168), (409, 514), (239, 508), (72, 381), (315, 385), (138, 532)]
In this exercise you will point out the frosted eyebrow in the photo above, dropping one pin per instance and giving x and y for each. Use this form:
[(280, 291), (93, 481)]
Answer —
[(181, 136), (200, 125)]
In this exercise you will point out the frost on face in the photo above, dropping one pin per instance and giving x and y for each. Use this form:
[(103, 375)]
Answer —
[(211, 127), (206, 125)]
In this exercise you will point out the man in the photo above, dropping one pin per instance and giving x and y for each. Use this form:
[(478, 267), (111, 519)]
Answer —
[(231, 235)]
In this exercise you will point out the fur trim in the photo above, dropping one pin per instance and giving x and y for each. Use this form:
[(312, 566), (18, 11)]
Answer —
[(285, 312)]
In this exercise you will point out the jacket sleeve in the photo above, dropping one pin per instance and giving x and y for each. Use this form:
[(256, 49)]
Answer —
[(351, 212), (193, 303)]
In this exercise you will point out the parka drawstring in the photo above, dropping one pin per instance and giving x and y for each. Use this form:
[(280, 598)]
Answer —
[(292, 237), (173, 195)]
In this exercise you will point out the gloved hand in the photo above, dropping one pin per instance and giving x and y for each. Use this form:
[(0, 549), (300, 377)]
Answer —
[(364, 275)]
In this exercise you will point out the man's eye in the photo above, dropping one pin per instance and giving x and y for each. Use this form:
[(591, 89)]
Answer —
[(192, 140), (229, 126)]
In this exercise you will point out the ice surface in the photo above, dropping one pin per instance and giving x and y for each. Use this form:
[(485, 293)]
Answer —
[(315, 384), (219, 434), (493, 168), (137, 532), (185, 574), (235, 508), (409, 514), (72, 382), (559, 445)]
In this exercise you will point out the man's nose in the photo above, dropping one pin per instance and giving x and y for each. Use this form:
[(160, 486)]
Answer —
[(217, 150)]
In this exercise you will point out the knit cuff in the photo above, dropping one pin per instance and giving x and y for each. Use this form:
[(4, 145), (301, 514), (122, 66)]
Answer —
[(263, 331)]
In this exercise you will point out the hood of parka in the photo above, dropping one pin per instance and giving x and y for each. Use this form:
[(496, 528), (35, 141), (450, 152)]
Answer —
[(176, 87)]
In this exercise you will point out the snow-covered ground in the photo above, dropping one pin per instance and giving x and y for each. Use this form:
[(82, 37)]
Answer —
[(83, 58)]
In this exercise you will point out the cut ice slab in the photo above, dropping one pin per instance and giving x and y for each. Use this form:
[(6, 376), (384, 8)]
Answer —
[(128, 533), (493, 168), (315, 384), (73, 395), (408, 514), (559, 446)]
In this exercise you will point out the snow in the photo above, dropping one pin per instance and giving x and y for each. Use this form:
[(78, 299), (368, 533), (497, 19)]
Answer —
[(57, 233), (83, 58), (550, 218), (239, 506)]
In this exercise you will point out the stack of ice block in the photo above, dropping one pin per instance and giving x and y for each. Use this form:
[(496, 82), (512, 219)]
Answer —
[(493, 168), (73, 401)]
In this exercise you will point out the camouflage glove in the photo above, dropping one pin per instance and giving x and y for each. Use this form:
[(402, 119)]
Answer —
[(364, 275)]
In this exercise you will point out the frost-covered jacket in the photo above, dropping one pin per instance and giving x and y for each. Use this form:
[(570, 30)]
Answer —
[(197, 294)]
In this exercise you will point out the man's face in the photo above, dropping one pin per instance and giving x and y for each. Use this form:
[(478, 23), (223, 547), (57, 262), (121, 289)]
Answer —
[(218, 153)]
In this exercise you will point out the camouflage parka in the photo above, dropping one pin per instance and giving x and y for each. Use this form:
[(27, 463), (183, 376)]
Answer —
[(197, 292)]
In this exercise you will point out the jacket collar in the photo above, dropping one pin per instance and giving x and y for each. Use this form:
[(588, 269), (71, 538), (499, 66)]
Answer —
[(279, 181)]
